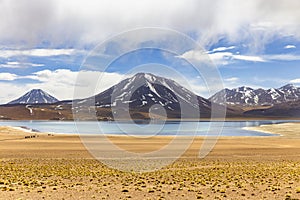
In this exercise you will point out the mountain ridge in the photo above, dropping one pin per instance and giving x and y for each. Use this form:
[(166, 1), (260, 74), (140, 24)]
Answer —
[(256, 97), (145, 95)]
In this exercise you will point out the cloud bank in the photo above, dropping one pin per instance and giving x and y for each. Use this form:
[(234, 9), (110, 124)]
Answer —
[(37, 52), (82, 22)]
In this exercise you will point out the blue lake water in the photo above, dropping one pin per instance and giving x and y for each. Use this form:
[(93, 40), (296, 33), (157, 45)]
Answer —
[(234, 128)]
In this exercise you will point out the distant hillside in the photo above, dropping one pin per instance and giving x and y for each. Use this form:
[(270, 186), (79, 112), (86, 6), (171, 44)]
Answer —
[(287, 109), (36, 112)]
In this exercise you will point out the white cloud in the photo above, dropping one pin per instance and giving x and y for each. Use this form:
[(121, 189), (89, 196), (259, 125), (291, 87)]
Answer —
[(88, 21), (221, 49), (36, 52), (224, 58), (290, 46), (282, 57), (219, 58), (231, 79), (7, 77), (14, 91), (295, 81), (20, 65), (193, 55), (248, 58)]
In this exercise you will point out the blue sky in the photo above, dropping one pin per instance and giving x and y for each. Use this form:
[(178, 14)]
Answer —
[(42, 45)]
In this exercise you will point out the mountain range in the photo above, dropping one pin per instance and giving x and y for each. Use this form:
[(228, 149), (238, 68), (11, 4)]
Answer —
[(247, 96), (145, 94)]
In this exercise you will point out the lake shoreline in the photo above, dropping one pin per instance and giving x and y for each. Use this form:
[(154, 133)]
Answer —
[(225, 119), (291, 129), (278, 129), (170, 128)]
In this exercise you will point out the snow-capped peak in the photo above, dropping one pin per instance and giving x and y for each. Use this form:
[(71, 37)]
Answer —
[(248, 96), (288, 87), (243, 89), (35, 96), (144, 90)]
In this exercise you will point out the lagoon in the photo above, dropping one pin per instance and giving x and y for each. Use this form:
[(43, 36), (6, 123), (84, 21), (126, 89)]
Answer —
[(228, 128)]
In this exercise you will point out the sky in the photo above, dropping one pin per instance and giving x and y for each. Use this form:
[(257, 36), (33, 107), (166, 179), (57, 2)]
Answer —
[(45, 44)]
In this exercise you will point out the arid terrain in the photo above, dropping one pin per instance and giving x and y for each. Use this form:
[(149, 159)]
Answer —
[(47, 166)]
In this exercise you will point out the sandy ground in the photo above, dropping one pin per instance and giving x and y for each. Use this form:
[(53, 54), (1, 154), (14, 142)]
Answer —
[(283, 129), (59, 167)]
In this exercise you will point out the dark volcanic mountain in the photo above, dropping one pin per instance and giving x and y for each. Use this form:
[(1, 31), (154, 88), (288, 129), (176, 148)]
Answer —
[(144, 90), (254, 97), (35, 96)]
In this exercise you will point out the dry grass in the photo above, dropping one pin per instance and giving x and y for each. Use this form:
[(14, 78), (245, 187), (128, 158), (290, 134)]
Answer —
[(185, 179), (58, 167)]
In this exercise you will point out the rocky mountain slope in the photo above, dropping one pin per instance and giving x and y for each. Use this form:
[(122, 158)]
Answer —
[(144, 90)]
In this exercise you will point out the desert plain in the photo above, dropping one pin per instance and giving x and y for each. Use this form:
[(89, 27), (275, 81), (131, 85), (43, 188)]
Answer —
[(47, 166)]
